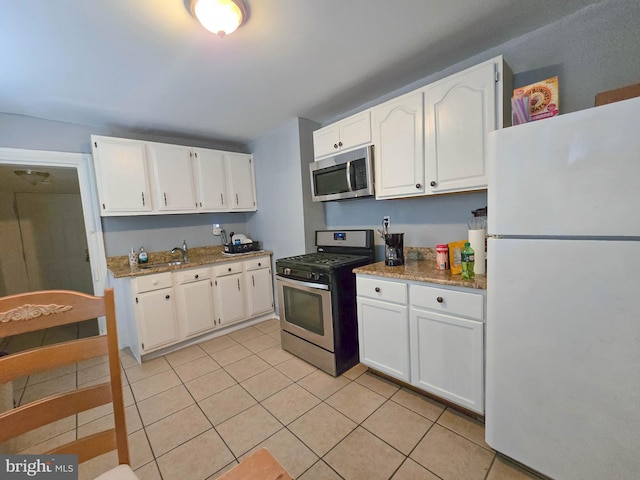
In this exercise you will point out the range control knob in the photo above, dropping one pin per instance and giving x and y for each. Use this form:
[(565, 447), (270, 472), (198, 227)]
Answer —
[(287, 271), (314, 276)]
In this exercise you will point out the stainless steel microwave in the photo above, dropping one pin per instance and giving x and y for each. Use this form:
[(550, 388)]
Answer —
[(346, 175)]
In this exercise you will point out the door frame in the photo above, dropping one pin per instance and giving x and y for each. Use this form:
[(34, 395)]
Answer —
[(83, 164)]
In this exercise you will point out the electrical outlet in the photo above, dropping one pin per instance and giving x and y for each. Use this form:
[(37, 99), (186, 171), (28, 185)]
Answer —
[(386, 221), (216, 229)]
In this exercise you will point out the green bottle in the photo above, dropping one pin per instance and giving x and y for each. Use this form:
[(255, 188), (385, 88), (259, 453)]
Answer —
[(468, 260)]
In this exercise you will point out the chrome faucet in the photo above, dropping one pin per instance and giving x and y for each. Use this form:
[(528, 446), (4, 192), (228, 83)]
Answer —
[(184, 250)]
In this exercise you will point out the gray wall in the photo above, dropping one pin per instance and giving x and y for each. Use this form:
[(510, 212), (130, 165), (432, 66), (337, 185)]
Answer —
[(594, 50), (285, 220), (18, 131), (424, 221), (163, 232)]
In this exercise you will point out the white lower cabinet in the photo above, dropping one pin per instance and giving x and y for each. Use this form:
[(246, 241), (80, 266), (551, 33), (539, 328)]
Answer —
[(259, 286), (383, 326), (171, 307), (447, 357), (155, 311), (194, 297), (429, 336), (229, 293)]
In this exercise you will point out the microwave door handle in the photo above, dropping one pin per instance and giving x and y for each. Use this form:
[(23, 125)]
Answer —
[(348, 169)]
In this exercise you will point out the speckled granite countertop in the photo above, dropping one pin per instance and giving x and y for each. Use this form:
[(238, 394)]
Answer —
[(420, 266), (198, 256)]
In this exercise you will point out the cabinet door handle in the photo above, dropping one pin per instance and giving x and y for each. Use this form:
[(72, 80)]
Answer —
[(253, 280), (197, 276), (433, 183), (377, 289), (165, 199), (237, 201), (221, 199), (167, 297), (238, 284), (229, 269), (418, 185), (339, 144), (259, 264), (335, 145), (143, 200), (439, 299)]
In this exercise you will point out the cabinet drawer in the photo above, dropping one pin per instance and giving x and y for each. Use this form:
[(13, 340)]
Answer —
[(447, 301), (257, 263), (153, 282), (227, 269), (381, 289), (191, 275)]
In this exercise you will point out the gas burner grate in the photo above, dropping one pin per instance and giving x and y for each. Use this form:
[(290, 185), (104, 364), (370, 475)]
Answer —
[(328, 259)]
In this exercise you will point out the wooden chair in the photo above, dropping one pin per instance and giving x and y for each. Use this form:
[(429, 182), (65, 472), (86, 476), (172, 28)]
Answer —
[(45, 309)]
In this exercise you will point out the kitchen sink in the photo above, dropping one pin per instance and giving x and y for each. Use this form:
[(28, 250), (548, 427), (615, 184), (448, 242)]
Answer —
[(162, 265)]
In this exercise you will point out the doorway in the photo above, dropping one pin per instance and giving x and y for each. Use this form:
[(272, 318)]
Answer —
[(63, 167), (43, 228)]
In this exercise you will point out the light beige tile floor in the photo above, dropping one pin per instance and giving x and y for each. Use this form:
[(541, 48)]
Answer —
[(193, 414)]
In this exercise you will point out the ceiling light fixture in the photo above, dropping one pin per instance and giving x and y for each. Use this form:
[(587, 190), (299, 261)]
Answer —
[(221, 17), (34, 177)]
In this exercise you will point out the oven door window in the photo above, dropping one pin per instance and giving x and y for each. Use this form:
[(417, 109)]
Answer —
[(304, 309)]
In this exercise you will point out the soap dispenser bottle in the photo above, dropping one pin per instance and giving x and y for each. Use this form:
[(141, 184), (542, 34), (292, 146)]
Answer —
[(186, 251), (142, 257)]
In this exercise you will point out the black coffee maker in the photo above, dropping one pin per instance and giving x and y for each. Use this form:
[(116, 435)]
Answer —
[(394, 249), (393, 245)]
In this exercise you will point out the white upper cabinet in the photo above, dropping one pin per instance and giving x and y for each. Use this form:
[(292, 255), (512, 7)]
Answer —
[(431, 140), (211, 175), (398, 139), (241, 182), (347, 134), (460, 111), (121, 173), (173, 177), (185, 179)]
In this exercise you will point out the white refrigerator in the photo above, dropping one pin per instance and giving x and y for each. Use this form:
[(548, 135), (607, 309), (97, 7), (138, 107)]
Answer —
[(563, 294)]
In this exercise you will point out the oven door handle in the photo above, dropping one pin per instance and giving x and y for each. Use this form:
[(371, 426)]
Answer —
[(318, 286)]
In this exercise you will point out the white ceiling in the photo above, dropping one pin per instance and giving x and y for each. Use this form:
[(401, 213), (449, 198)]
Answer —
[(148, 65)]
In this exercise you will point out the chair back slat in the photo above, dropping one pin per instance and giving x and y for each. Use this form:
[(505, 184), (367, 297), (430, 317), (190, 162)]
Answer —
[(88, 447), (50, 357), (55, 407), (28, 312)]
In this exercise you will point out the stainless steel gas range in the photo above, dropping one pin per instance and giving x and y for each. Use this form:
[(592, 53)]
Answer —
[(317, 299)]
